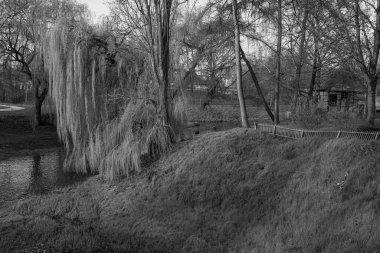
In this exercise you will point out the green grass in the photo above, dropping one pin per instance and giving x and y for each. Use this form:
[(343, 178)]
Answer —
[(232, 191)]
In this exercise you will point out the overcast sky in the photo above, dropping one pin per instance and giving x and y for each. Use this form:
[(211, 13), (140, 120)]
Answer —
[(99, 7)]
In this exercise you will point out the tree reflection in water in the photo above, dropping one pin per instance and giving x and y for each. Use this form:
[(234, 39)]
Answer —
[(37, 180)]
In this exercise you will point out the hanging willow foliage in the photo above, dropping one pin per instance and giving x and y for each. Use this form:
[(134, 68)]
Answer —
[(86, 76), (74, 86)]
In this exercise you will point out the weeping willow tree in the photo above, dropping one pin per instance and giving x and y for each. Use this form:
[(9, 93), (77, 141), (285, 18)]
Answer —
[(88, 72)]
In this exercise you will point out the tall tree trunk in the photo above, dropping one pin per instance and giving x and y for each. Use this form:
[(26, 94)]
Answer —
[(371, 100), (373, 69), (314, 70), (301, 56), (243, 110), (164, 61), (257, 85), (278, 70), (365, 110)]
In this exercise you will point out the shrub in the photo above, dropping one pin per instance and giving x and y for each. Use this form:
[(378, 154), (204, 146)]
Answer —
[(310, 118)]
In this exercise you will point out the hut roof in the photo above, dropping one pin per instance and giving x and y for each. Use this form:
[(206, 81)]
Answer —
[(193, 79)]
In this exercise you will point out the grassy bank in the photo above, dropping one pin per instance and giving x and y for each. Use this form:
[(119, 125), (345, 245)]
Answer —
[(229, 113), (233, 191)]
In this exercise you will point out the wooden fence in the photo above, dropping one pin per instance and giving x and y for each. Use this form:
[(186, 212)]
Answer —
[(302, 133)]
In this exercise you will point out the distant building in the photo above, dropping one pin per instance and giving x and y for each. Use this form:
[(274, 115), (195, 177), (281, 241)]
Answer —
[(194, 82), (342, 89), (344, 97), (14, 86), (339, 98)]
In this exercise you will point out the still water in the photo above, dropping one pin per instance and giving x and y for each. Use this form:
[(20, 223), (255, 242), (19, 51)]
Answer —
[(41, 172), (35, 174)]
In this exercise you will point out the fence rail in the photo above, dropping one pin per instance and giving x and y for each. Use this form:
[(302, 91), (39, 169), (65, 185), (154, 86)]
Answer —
[(302, 133)]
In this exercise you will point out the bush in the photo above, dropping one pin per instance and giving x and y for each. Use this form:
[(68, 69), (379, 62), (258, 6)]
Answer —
[(367, 128), (317, 118), (310, 118)]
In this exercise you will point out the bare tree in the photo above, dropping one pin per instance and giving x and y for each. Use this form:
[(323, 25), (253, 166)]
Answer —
[(257, 85), (243, 110), (278, 67), (316, 67), (148, 25), (206, 47), (301, 53), (359, 23)]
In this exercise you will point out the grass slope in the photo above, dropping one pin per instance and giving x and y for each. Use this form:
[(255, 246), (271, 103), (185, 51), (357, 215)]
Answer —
[(233, 191)]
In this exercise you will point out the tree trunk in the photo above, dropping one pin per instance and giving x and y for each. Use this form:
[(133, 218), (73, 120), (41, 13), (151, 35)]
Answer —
[(371, 101), (301, 56), (243, 110), (365, 109), (312, 81), (164, 41), (278, 70), (38, 100), (164, 105), (38, 116), (257, 85), (371, 69), (314, 71)]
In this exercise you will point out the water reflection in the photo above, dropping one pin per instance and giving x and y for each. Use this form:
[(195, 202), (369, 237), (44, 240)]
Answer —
[(36, 174), (36, 177)]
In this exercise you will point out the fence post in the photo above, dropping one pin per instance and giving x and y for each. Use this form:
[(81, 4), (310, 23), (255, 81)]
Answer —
[(255, 126), (339, 133), (274, 130), (377, 136), (303, 133)]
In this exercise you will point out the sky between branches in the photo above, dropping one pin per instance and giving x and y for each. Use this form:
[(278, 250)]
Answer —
[(100, 7)]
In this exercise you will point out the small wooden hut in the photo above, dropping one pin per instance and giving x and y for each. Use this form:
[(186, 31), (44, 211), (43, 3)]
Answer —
[(340, 98)]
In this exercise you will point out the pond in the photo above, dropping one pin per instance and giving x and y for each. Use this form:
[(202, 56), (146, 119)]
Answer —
[(35, 174), (8, 108), (43, 171)]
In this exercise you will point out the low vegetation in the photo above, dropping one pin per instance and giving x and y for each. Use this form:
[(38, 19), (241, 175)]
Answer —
[(232, 191), (333, 119), (224, 113)]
